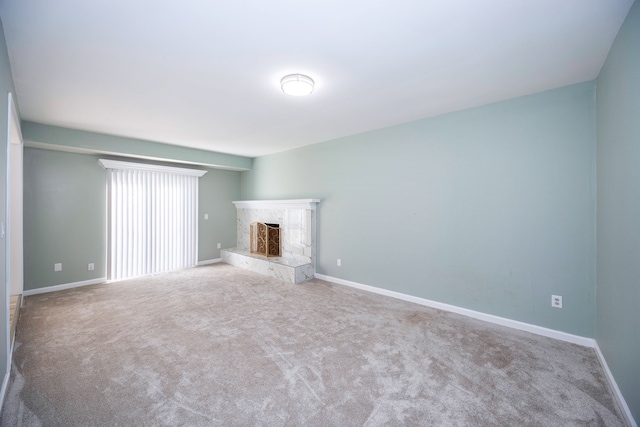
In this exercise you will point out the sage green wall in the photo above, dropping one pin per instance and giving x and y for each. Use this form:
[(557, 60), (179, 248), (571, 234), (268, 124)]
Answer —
[(6, 87), (217, 189), (618, 267), (491, 208), (65, 215)]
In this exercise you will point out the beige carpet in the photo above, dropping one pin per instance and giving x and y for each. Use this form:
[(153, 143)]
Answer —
[(218, 345)]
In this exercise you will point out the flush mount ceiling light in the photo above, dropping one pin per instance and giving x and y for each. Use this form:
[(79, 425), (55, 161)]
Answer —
[(297, 84)]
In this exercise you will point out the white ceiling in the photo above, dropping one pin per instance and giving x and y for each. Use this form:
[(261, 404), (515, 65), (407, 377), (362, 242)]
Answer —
[(205, 74)]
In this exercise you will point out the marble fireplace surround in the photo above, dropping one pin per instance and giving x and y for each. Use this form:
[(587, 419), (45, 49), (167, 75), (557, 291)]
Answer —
[(297, 219)]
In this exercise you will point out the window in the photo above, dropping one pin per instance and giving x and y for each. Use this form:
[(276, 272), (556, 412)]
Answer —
[(152, 218)]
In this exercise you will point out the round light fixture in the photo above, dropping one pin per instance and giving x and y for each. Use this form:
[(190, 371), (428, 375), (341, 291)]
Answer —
[(297, 84)]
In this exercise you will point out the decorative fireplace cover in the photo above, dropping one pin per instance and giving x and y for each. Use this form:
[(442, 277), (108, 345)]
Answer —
[(265, 239)]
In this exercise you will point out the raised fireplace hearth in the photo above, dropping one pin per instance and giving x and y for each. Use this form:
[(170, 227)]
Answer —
[(295, 221)]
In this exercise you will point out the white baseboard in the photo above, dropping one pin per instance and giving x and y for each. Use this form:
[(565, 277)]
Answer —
[(209, 261), (64, 286), (614, 386), (5, 384), (515, 324)]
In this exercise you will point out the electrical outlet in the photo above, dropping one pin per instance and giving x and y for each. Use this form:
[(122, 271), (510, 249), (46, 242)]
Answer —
[(556, 301), (339, 262), (57, 266), (219, 245), (91, 266), (206, 216)]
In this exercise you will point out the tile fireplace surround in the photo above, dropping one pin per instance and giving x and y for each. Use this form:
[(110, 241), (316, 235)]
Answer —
[(297, 220)]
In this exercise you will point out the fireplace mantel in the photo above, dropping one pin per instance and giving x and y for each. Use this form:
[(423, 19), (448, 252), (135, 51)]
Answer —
[(277, 204)]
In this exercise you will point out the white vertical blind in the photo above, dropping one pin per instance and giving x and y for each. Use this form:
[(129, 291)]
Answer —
[(152, 222)]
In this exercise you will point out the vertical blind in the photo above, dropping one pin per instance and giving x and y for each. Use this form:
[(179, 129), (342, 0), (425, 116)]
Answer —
[(153, 223)]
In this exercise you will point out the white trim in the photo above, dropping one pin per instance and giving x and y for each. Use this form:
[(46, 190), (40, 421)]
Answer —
[(5, 384), (64, 286), (117, 164), (277, 204), (209, 261), (13, 125), (614, 386), (527, 327), (16, 120)]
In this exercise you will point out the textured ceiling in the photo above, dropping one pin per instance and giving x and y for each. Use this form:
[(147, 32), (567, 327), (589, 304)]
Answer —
[(206, 74)]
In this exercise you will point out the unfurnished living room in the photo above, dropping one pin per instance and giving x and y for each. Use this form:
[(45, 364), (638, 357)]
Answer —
[(407, 213)]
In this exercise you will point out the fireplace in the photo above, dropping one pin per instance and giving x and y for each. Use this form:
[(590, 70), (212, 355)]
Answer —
[(287, 226), (265, 239)]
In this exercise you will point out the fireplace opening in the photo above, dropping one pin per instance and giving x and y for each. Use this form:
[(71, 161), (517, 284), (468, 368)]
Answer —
[(265, 239)]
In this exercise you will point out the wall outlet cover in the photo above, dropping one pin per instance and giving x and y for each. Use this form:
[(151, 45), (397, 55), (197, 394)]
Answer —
[(57, 266), (91, 266), (556, 301)]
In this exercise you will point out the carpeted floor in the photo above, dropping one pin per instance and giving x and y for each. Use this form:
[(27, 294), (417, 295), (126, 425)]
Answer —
[(218, 345)]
